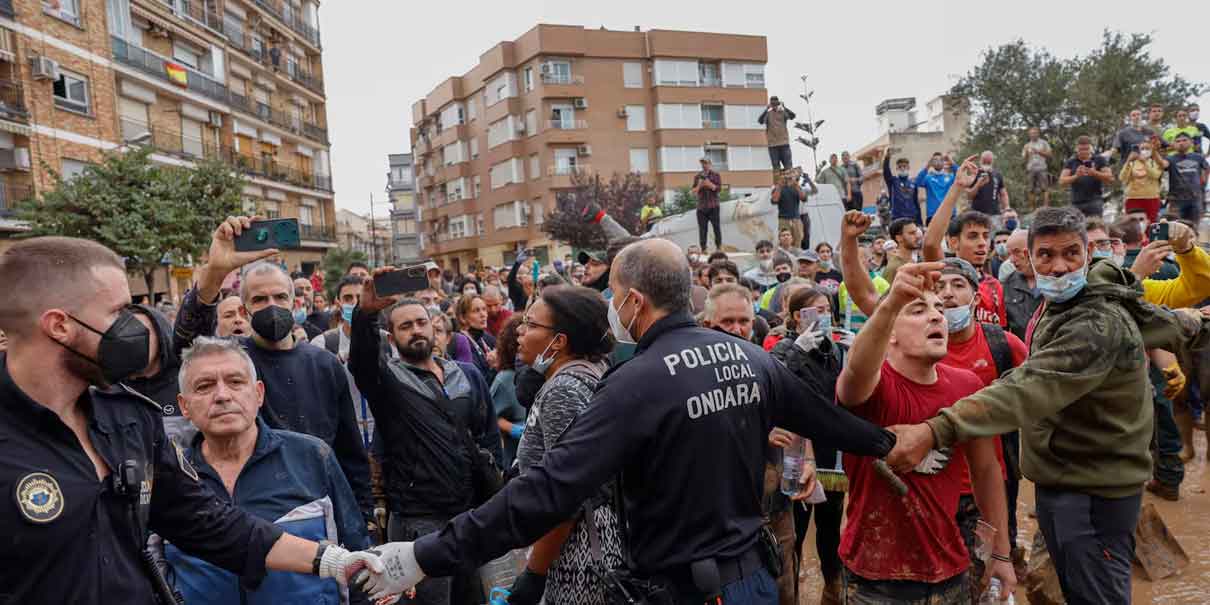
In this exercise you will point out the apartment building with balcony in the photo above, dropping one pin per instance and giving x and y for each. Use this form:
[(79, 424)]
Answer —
[(494, 146), (371, 237), (235, 80), (406, 240)]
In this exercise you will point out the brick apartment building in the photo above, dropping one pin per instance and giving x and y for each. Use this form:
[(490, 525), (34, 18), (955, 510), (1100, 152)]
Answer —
[(238, 80), (494, 145)]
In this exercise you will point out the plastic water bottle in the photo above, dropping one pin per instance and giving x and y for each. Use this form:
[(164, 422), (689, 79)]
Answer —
[(791, 460), (992, 595)]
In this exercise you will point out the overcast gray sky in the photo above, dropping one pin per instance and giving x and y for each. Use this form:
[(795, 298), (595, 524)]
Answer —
[(382, 55)]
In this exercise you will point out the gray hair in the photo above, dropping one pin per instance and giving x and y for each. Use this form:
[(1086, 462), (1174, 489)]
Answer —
[(262, 268), (664, 279), (493, 289), (1056, 221), (722, 290), (206, 346)]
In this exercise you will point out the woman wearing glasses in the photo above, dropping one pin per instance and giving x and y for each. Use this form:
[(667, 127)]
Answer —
[(565, 336)]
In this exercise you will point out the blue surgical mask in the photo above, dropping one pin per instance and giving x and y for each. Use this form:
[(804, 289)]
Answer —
[(1002, 250), (1011, 224), (542, 362), (1102, 253), (958, 318), (300, 315), (1063, 288), (346, 313), (825, 265)]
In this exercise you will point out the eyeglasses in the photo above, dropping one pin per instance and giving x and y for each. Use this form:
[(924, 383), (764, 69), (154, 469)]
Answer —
[(530, 324)]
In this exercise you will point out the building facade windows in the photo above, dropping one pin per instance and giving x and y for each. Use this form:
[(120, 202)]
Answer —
[(71, 92), (640, 161), (636, 118), (632, 75)]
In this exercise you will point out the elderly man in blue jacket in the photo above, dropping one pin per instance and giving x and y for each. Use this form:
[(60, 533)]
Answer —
[(287, 478)]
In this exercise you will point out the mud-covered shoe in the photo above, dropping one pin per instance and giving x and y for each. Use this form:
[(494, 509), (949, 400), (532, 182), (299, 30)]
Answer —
[(1163, 490)]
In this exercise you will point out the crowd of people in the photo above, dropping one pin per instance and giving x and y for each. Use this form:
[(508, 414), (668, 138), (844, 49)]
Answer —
[(642, 422)]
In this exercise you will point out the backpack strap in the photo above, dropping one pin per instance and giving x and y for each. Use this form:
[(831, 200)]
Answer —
[(997, 343)]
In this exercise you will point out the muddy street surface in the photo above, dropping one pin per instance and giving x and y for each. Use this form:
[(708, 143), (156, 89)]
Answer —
[(1188, 520)]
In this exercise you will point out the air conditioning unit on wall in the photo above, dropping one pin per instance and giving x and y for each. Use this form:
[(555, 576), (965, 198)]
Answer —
[(580, 103), (622, 113), (584, 150), (44, 68)]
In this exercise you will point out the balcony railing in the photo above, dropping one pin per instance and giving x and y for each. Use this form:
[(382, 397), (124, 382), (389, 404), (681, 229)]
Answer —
[(562, 169), (561, 79), (323, 233), (12, 102), (292, 19), (155, 65), (712, 123), (278, 118), (241, 39), (175, 143), (567, 124), (11, 195)]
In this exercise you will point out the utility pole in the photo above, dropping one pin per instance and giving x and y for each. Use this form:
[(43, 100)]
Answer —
[(373, 235)]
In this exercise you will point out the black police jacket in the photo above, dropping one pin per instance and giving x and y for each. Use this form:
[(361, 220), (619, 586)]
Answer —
[(686, 423), (66, 537)]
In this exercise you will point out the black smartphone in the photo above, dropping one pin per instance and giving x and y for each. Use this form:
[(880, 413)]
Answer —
[(399, 281), (1158, 232), (280, 233)]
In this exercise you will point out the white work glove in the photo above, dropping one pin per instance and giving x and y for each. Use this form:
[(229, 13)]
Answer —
[(807, 341), (393, 570), (934, 462), (338, 563)]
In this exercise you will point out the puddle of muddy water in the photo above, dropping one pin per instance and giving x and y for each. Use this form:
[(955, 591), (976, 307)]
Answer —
[(1188, 520)]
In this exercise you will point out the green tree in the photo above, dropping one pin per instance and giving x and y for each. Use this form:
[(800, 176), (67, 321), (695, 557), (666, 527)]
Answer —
[(149, 213), (622, 196), (334, 265), (685, 200), (1017, 86)]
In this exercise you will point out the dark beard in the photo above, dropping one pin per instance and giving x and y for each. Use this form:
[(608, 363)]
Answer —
[(84, 369), (416, 353)]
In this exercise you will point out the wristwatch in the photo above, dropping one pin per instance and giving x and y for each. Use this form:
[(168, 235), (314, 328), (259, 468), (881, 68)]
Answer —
[(319, 555)]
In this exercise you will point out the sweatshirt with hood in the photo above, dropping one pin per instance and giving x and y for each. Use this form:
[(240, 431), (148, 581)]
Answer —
[(1082, 399), (162, 388)]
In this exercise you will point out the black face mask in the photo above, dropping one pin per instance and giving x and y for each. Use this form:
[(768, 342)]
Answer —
[(123, 349), (273, 323), (783, 277)]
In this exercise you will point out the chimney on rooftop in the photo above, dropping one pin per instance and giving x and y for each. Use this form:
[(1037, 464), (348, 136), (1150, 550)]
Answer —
[(638, 29)]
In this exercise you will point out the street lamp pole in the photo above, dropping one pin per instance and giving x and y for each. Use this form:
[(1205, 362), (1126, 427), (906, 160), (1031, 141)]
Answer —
[(373, 235)]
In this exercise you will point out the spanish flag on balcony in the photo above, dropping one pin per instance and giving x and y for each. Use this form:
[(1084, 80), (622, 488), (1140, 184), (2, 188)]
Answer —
[(177, 74)]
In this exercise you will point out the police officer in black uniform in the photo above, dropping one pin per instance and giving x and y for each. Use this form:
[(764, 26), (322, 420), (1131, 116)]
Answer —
[(684, 425), (86, 473)]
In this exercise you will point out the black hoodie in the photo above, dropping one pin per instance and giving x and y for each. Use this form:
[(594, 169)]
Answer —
[(163, 387)]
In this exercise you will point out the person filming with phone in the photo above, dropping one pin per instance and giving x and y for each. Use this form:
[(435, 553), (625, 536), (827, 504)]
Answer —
[(306, 388), (1087, 175), (435, 417)]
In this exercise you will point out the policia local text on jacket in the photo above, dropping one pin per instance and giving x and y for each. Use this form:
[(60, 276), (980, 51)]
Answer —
[(685, 423), (66, 537)]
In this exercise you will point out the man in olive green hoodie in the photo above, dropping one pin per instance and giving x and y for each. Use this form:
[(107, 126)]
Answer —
[(1082, 401)]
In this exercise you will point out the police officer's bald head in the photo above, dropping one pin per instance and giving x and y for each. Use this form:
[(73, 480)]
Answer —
[(49, 273), (656, 268)]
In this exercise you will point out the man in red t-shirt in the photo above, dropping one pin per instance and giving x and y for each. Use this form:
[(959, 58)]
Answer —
[(987, 350), (969, 238), (908, 549)]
